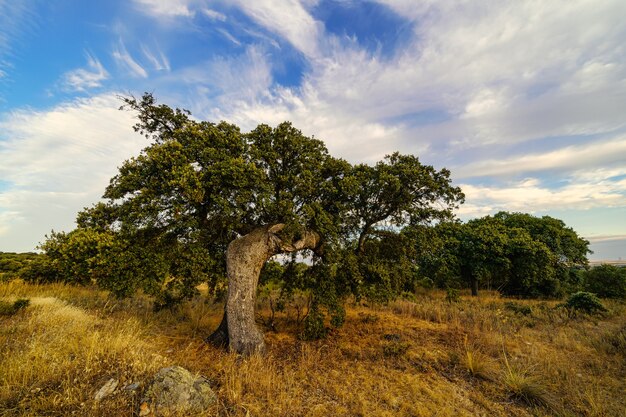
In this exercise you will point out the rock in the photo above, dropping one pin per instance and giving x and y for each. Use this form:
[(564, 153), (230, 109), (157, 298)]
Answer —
[(131, 387), (176, 390), (107, 389)]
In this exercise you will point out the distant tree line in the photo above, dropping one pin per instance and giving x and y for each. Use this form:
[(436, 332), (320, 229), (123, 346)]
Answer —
[(14, 265)]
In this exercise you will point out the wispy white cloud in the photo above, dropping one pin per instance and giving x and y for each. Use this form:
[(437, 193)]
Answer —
[(228, 36), (17, 18), (214, 14), (605, 238), (532, 196), (226, 81), (513, 81), (82, 79), (56, 162), (165, 8), (159, 63), (290, 19), (603, 153), (125, 60)]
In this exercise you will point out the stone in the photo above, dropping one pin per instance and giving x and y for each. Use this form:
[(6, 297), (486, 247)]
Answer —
[(131, 387), (175, 390), (107, 389)]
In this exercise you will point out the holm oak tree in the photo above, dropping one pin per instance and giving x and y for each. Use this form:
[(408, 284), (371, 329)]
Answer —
[(236, 199)]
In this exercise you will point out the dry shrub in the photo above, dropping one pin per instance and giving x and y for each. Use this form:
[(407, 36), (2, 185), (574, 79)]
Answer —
[(476, 362)]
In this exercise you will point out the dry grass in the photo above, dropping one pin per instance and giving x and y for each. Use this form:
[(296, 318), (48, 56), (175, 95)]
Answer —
[(429, 358)]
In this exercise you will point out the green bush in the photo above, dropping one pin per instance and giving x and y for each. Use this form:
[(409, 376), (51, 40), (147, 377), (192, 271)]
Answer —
[(452, 295), (607, 281), (395, 349), (518, 308), (585, 302), (314, 325), (9, 309)]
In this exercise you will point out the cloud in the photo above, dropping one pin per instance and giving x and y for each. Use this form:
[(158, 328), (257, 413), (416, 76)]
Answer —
[(289, 19), (228, 36), (214, 15), (165, 8), (603, 153), (222, 82), (17, 19), (159, 63), (82, 79), (605, 238), (531, 196), (125, 60), (55, 162)]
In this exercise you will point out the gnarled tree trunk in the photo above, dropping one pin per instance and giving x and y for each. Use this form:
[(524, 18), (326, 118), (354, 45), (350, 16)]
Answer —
[(245, 257)]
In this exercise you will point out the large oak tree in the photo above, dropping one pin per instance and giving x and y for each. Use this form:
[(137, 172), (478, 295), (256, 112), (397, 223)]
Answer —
[(234, 200)]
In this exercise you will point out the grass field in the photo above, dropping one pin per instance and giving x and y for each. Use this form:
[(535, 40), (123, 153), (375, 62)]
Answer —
[(479, 357)]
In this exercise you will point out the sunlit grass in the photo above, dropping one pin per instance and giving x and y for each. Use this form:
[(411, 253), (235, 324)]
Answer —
[(423, 358)]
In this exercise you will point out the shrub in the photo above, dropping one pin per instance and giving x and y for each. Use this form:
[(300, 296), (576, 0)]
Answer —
[(477, 364), (314, 325), (395, 349), (452, 295), (9, 309), (525, 387), (408, 296), (606, 281), (41, 270), (518, 308), (585, 302)]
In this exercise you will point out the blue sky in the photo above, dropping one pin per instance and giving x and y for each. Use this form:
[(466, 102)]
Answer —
[(524, 101)]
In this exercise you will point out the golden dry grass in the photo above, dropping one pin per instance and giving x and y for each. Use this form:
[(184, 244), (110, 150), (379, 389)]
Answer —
[(478, 357)]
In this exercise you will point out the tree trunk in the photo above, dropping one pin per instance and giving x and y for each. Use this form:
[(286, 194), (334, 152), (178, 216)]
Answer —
[(474, 285), (245, 257)]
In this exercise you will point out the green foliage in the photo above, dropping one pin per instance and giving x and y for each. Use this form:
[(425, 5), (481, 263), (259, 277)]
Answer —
[(314, 327), (565, 247), (76, 256), (395, 348), (386, 266), (518, 308), (13, 265), (9, 309), (563, 241), (40, 270), (519, 254), (585, 302), (452, 295), (607, 281)]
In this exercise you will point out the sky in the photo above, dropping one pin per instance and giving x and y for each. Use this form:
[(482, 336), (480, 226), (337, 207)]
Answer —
[(524, 101)]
